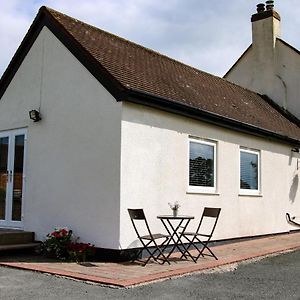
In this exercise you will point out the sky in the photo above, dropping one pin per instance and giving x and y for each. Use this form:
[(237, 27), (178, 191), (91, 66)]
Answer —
[(207, 34)]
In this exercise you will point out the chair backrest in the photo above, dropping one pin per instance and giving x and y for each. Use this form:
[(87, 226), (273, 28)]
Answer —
[(211, 213), (138, 215)]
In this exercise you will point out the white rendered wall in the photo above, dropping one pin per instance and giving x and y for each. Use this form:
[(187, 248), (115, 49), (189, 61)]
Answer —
[(245, 69), (288, 77), (255, 69), (73, 157), (154, 171)]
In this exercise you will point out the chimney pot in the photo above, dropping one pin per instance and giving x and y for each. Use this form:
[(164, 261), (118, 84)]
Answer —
[(270, 4), (260, 7)]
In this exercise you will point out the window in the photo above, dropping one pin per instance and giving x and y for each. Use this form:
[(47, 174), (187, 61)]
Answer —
[(202, 166), (249, 171)]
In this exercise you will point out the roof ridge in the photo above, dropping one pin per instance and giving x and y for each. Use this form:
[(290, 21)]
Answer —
[(126, 40)]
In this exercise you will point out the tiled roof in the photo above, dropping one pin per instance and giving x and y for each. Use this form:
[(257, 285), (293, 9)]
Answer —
[(136, 68)]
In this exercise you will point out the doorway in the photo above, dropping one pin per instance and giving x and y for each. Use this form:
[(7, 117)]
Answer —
[(12, 177)]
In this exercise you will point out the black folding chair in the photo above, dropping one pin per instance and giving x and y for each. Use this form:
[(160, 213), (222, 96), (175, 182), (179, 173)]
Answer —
[(291, 220), (200, 237), (149, 241)]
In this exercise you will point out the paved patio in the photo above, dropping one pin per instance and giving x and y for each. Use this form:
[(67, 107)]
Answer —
[(130, 274)]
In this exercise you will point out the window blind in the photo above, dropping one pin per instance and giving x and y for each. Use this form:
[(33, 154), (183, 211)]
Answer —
[(201, 165), (248, 171)]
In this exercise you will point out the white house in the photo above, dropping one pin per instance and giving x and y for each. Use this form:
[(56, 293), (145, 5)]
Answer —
[(125, 127)]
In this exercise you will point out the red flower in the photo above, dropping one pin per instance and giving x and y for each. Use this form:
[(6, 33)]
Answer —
[(64, 232), (55, 234), (79, 247)]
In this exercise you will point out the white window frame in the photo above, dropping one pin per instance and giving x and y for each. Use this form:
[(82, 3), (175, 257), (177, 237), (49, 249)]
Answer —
[(250, 192), (202, 189)]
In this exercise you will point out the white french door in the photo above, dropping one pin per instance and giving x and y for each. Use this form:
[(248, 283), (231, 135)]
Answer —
[(12, 177)]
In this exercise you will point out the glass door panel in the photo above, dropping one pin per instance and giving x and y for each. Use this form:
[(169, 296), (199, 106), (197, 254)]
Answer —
[(3, 176), (18, 178), (12, 151)]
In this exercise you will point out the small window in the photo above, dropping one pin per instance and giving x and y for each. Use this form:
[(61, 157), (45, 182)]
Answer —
[(249, 171), (202, 166)]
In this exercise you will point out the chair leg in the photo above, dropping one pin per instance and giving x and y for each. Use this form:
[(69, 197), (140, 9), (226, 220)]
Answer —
[(191, 243), (145, 247), (145, 263), (186, 250), (152, 253), (158, 247), (204, 246), (138, 254), (161, 252)]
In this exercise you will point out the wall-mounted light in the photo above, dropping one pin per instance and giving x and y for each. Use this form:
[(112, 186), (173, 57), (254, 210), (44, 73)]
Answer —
[(35, 115), (296, 154)]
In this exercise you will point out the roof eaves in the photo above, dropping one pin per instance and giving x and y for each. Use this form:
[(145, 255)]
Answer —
[(140, 97)]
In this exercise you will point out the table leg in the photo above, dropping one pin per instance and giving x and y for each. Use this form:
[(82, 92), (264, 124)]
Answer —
[(176, 238), (180, 242)]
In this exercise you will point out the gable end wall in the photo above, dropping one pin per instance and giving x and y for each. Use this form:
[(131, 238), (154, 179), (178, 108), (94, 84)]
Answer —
[(73, 157)]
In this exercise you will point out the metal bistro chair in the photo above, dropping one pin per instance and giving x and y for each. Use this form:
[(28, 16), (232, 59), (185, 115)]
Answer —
[(200, 237), (291, 220), (148, 241)]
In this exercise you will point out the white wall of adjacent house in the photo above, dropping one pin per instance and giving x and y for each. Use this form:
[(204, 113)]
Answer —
[(287, 77), (269, 66), (73, 157), (155, 171)]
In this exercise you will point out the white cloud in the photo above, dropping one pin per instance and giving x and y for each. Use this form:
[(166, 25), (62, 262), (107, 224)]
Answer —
[(209, 35)]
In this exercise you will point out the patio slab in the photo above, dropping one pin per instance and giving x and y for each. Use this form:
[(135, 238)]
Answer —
[(130, 274)]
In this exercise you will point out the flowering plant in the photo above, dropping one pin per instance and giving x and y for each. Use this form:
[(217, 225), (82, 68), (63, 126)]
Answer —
[(174, 206), (80, 251), (56, 243), (63, 245)]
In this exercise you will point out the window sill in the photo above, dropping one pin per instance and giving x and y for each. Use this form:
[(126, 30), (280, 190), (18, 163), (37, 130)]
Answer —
[(203, 193), (250, 195)]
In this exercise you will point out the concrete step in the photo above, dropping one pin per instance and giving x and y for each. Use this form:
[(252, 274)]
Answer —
[(14, 237), (18, 246)]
